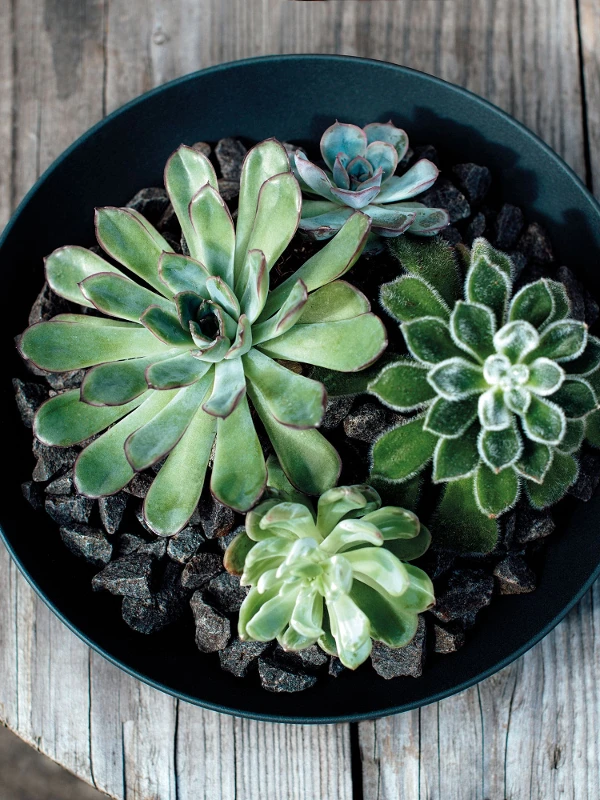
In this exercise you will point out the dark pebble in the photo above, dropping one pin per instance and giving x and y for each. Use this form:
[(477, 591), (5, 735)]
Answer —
[(173, 240), (66, 510), (444, 194), (226, 593), (61, 381), (238, 657), (575, 292), (228, 189), (223, 542), (213, 630), (275, 678), (230, 154), (169, 224), (437, 562), (403, 661), (112, 509), (202, 147), (88, 543), (475, 228), (427, 151), (216, 519), (531, 525), (337, 410), (468, 592), (184, 544), (514, 576), (48, 305), (535, 244), (51, 460), (474, 181), (451, 235), (508, 227), (62, 485), (150, 203), (156, 548), (589, 477), (164, 608), (29, 397), (139, 485), (336, 667), (139, 515), (592, 309), (447, 639), (183, 246), (129, 576), (369, 421), (32, 492), (519, 261), (200, 569), (128, 543), (310, 658)]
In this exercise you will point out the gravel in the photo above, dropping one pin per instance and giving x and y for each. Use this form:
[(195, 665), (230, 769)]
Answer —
[(129, 576), (468, 591), (29, 397), (405, 661), (88, 543), (473, 180), (276, 678), (200, 569), (535, 244), (150, 203), (589, 477), (336, 667), (65, 510), (514, 576), (369, 421), (184, 544), (33, 493), (62, 485), (213, 629), (51, 460), (216, 519), (162, 609), (230, 154), (447, 639), (226, 593), (239, 657), (337, 410), (112, 509), (446, 195)]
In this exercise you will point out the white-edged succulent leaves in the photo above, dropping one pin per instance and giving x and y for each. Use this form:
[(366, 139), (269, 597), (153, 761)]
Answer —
[(360, 173), (180, 348), (334, 576), (502, 384)]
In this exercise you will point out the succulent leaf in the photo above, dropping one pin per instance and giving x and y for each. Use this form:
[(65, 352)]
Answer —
[(279, 198), (533, 303), (450, 418), (576, 398), (213, 242), (326, 224), (500, 448), (183, 274), (434, 262), (118, 296), (343, 138), (588, 362), (335, 301), (489, 286), (387, 132), (473, 327), (564, 340), (403, 386), (544, 421), (495, 492), (117, 382), (228, 388), (68, 266), (382, 156), (403, 451), (187, 170), (428, 340), (459, 523), (574, 436), (409, 298), (535, 460), (561, 474), (456, 458), (456, 378)]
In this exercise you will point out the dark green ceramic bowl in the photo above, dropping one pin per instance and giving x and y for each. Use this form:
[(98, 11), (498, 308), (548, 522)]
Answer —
[(291, 98)]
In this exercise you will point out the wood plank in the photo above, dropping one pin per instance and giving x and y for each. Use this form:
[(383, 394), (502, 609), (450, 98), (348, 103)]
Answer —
[(589, 28), (6, 106)]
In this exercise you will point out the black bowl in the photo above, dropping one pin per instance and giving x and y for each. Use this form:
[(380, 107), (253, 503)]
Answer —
[(291, 98)]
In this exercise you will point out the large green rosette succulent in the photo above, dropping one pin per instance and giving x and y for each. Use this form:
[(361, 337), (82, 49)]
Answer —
[(360, 173), (335, 575), (503, 385), (178, 344)]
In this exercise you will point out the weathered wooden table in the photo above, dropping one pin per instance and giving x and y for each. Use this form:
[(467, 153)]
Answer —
[(532, 731)]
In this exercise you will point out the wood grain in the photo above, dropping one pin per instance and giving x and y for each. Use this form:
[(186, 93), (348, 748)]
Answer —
[(529, 732)]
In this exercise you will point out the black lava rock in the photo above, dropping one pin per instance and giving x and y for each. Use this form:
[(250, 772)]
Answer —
[(29, 397), (427, 151), (230, 154), (66, 510), (151, 203), (535, 244), (589, 477), (519, 261), (62, 485), (514, 576), (574, 290), (139, 515), (310, 658), (404, 661), (451, 235), (592, 309), (184, 544), (437, 562), (368, 421), (531, 525), (275, 678), (473, 180), (163, 608), (202, 147), (475, 228), (169, 224), (226, 593), (112, 509), (337, 410), (129, 576), (139, 485), (51, 460), (213, 630), (444, 194), (60, 381), (447, 639), (239, 657), (228, 189), (508, 227), (200, 569), (48, 305), (128, 543), (469, 590), (336, 667), (216, 519), (32, 492), (223, 542), (88, 543)]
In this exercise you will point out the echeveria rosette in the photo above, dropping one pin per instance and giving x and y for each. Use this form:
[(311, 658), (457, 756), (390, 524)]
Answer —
[(335, 576), (360, 173), (503, 385), (182, 348)]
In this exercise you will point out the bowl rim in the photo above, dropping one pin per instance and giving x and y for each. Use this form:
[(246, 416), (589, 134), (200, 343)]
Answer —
[(224, 709)]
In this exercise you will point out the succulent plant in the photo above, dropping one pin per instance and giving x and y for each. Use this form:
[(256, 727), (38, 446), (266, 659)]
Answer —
[(335, 576), (360, 174), (502, 384), (181, 348)]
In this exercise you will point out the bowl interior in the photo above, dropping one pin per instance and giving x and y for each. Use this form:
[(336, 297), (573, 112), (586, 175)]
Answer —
[(254, 100)]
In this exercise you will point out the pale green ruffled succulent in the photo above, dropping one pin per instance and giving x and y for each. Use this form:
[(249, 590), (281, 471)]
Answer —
[(503, 385), (334, 576), (183, 346), (360, 173)]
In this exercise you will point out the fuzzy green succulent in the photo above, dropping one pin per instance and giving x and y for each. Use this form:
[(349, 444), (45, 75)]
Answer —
[(334, 576), (503, 384), (360, 173), (176, 352)]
